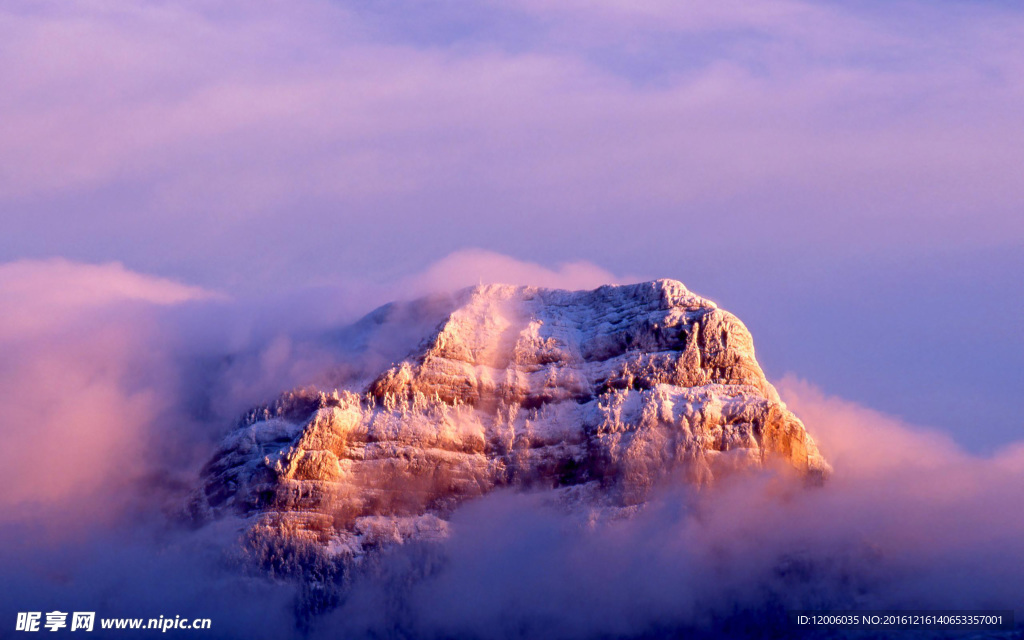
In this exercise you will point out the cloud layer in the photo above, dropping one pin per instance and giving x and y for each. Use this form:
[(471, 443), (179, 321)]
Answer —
[(242, 127), (111, 406)]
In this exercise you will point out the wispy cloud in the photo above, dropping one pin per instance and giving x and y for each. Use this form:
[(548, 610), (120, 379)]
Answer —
[(803, 122), (470, 267)]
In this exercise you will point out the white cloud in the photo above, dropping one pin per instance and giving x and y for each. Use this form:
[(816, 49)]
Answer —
[(469, 267)]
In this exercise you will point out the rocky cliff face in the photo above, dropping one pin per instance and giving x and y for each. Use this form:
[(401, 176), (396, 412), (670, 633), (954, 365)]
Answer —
[(596, 394)]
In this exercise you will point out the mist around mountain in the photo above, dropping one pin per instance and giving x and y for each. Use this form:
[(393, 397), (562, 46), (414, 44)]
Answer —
[(115, 404)]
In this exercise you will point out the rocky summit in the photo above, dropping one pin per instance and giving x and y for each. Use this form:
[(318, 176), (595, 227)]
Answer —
[(598, 395)]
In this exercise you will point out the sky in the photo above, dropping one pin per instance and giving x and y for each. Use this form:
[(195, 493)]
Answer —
[(845, 177), (181, 180)]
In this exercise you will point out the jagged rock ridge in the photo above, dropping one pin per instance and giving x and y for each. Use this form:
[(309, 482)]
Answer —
[(599, 394)]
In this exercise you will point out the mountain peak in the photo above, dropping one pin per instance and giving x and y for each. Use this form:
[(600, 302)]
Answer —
[(671, 291), (598, 394)]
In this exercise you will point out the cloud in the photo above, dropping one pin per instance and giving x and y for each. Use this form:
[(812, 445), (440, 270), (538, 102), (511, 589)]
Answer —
[(868, 442), (41, 296), (469, 267), (113, 387), (84, 374), (326, 137)]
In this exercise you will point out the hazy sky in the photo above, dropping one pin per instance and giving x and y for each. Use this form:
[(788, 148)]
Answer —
[(846, 177)]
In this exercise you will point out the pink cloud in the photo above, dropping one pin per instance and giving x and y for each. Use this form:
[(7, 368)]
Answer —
[(247, 113), (84, 373), (42, 295), (866, 443), (911, 490), (470, 267)]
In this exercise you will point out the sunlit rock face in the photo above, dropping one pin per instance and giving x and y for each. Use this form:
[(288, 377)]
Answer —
[(596, 394)]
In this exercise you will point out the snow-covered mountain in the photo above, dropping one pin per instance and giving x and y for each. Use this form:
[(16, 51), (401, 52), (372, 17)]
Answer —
[(598, 395)]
